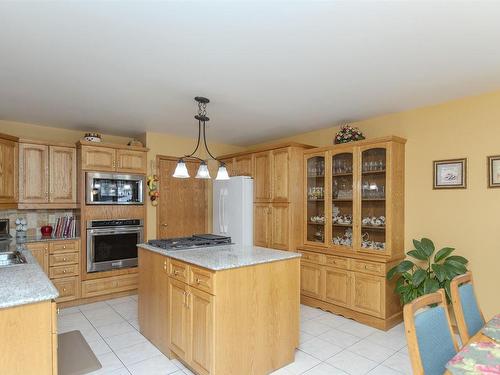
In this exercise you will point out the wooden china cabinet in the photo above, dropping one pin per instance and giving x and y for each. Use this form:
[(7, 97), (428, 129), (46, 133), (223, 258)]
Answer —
[(354, 229)]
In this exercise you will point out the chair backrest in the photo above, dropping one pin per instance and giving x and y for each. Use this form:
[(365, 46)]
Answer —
[(431, 343), (465, 307)]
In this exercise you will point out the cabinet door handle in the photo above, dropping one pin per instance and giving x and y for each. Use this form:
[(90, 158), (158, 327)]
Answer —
[(165, 265), (198, 281)]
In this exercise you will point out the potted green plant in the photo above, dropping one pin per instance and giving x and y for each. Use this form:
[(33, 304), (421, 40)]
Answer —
[(426, 274)]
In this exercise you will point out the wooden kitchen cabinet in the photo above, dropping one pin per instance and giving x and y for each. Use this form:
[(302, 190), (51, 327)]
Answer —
[(280, 226), (368, 293), (40, 251), (153, 297), (62, 174), (98, 158), (277, 183), (280, 175), (311, 280), (29, 328), (178, 318), (243, 166), (47, 176), (208, 317), (338, 286), (33, 173), (201, 321), (272, 223), (262, 177), (9, 156), (130, 161), (107, 157), (261, 230)]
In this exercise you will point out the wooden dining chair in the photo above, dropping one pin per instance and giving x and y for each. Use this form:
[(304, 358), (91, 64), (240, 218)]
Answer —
[(431, 342), (469, 317)]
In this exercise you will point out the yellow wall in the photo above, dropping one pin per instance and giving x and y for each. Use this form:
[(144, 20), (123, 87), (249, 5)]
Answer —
[(170, 145), (468, 220), (46, 133)]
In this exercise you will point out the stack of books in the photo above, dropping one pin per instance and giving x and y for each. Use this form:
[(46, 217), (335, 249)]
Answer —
[(65, 227)]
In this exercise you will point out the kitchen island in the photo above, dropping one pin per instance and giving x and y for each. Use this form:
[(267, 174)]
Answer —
[(221, 310)]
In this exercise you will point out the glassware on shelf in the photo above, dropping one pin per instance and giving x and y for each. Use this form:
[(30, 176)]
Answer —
[(315, 193), (345, 239), (316, 168)]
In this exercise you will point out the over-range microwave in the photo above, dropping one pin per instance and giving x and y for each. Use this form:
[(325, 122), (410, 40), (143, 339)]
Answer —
[(114, 188)]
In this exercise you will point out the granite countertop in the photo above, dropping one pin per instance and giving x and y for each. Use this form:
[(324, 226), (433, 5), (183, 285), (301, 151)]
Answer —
[(40, 238), (24, 283), (225, 257)]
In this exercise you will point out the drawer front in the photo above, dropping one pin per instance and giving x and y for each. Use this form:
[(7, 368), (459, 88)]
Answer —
[(312, 257), (91, 288), (67, 287), (64, 246), (64, 271), (202, 279), (368, 267), (64, 259), (337, 262), (178, 270)]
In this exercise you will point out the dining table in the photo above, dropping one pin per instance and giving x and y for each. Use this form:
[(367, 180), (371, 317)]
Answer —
[(489, 363)]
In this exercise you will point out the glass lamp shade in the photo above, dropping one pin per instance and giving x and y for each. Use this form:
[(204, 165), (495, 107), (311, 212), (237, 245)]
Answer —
[(203, 171), (181, 170), (222, 173)]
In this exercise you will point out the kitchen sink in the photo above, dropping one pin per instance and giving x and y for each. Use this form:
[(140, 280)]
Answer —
[(11, 258)]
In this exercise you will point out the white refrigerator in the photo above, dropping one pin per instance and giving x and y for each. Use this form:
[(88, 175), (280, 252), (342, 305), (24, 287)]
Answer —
[(233, 209)]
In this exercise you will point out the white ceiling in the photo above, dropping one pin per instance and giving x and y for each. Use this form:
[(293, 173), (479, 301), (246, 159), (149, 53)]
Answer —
[(270, 68)]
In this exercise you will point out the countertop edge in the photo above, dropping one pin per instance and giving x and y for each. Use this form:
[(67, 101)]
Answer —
[(173, 254)]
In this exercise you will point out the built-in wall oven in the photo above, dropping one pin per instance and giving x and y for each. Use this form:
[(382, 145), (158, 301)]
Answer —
[(112, 244), (114, 188)]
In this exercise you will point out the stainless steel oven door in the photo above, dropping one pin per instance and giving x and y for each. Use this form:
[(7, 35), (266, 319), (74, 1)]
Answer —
[(114, 188), (112, 247)]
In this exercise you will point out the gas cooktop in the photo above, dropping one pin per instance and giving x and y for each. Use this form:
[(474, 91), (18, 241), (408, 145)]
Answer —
[(197, 240)]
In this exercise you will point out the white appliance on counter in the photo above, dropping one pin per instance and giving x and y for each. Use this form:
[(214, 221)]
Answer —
[(233, 209)]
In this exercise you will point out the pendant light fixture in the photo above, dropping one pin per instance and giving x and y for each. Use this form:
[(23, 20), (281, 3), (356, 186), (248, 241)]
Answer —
[(203, 172)]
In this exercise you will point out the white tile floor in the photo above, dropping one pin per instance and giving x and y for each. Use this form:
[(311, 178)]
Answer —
[(329, 344)]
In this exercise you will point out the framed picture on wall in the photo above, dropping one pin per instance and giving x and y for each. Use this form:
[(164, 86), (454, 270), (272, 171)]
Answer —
[(450, 174), (494, 171)]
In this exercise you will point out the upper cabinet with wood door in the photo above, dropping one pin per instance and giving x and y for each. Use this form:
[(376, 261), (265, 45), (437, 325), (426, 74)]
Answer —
[(109, 157), (62, 174), (47, 176), (8, 171), (277, 183), (33, 173), (262, 188)]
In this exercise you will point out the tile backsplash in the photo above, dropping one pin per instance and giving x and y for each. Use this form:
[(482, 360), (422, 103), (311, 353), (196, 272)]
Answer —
[(35, 218)]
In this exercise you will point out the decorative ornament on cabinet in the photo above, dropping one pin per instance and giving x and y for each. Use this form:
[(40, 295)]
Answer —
[(348, 133)]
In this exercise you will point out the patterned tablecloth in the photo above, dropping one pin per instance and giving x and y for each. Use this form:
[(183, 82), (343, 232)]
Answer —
[(492, 328), (476, 358)]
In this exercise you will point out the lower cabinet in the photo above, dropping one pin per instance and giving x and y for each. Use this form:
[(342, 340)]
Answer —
[(201, 319), (191, 313), (354, 288), (178, 313), (115, 284), (338, 286), (29, 328), (311, 280), (40, 251), (368, 294)]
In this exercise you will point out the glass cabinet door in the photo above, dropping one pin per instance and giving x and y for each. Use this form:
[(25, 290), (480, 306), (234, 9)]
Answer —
[(373, 199), (315, 206), (342, 200)]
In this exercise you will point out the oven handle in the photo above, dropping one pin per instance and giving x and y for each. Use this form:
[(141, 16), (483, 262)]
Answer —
[(115, 230)]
